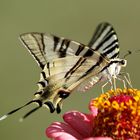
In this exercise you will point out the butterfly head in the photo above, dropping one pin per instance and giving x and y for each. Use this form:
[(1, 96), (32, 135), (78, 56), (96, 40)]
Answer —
[(116, 65)]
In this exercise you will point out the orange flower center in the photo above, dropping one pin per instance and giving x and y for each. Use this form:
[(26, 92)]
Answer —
[(118, 114)]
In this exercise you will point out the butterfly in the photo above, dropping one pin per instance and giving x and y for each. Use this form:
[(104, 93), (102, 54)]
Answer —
[(68, 65)]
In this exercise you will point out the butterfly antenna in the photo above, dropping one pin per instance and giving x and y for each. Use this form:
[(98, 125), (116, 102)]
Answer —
[(15, 110), (130, 52), (31, 111)]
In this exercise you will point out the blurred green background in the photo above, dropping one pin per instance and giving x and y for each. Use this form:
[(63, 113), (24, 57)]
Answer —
[(74, 19)]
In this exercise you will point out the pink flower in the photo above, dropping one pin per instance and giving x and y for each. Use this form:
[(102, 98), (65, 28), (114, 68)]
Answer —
[(115, 115), (77, 126)]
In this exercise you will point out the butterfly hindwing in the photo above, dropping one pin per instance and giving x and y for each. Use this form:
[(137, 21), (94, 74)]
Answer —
[(68, 74)]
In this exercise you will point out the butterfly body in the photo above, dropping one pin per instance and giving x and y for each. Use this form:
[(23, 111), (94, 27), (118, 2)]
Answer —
[(68, 65)]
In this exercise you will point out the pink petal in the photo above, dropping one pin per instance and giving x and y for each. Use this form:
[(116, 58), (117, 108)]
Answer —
[(93, 109), (65, 136), (82, 123), (98, 138), (59, 130)]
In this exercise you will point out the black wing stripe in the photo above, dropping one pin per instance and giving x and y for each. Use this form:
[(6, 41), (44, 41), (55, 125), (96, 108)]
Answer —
[(40, 47), (88, 53), (110, 50), (103, 32), (105, 38), (43, 74), (111, 44), (42, 41), (80, 49), (63, 49), (77, 64), (92, 68), (34, 55), (99, 30), (56, 41), (42, 83), (48, 67), (115, 55)]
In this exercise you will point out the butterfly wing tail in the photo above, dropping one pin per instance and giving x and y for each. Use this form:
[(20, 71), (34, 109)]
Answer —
[(17, 109)]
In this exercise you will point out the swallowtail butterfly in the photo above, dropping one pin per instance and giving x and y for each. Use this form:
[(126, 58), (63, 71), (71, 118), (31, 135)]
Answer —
[(68, 65)]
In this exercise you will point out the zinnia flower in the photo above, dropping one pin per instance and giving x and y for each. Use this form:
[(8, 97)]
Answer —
[(114, 115), (118, 114)]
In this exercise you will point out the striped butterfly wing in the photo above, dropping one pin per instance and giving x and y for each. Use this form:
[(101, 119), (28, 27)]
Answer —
[(66, 64), (45, 47), (105, 41), (84, 62)]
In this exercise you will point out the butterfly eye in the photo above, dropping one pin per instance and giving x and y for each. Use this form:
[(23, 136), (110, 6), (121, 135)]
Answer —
[(123, 62)]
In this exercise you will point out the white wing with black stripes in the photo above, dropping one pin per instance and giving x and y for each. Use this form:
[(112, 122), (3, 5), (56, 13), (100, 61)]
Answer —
[(105, 41), (67, 64), (46, 48)]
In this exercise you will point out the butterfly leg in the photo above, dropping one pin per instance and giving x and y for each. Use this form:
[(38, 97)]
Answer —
[(104, 86), (124, 84), (127, 78), (111, 83), (114, 83)]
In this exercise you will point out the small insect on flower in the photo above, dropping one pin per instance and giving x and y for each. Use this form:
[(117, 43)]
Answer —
[(68, 65)]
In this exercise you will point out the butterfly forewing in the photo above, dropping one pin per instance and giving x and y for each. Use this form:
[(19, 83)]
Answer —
[(35, 46), (45, 47), (105, 41)]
